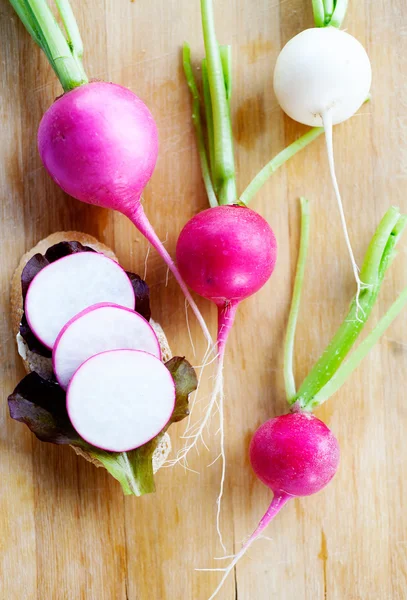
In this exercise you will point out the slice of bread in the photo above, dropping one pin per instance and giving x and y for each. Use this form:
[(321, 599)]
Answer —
[(42, 365)]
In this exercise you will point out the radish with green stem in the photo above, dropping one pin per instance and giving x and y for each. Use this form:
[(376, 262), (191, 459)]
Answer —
[(98, 141), (228, 252), (296, 454), (322, 77)]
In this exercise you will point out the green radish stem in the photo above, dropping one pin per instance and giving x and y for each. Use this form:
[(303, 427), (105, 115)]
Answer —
[(65, 56), (223, 164), (319, 12), (347, 368), (378, 258), (295, 303), (329, 12), (328, 9), (339, 13), (278, 161), (226, 58), (196, 119)]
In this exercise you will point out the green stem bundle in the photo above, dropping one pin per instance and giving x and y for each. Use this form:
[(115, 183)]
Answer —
[(330, 371), (63, 53), (223, 158), (329, 12), (215, 141)]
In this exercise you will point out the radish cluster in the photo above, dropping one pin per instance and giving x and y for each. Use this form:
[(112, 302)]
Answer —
[(106, 356)]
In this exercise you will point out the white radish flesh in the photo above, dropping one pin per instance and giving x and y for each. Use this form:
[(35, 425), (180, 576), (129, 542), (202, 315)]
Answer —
[(322, 77), (97, 329), (121, 399), (69, 285)]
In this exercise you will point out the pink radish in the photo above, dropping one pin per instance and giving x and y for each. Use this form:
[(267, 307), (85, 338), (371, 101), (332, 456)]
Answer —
[(69, 285), (322, 77), (96, 329), (295, 454), (120, 399), (228, 252), (99, 140)]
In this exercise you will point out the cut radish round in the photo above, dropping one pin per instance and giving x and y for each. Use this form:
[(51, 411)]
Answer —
[(120, 399), (68, 285), (97, 329)]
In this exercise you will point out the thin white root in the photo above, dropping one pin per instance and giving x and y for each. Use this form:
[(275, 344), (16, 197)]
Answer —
[(146, 262), (199, 428), (327, 122), (227, 570), (222, 453), (197, 432), (189, 329)]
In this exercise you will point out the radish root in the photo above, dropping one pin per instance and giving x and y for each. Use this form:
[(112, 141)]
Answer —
[(276, 505), (327, 122)]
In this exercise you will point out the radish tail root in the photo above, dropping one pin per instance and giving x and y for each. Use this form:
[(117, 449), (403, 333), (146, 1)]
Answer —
[(276, 505), (327, 121), (226, 318), (138, 217)]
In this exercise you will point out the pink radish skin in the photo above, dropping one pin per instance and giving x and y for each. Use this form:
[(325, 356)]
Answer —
[(226, 254), (71, 284), (99, 143), (120, 399), (99, 328), (294, 455)]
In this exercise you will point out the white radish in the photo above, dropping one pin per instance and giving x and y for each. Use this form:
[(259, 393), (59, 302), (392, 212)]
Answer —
[(121, 399), (97, 329), (322, 77), (69, 285)]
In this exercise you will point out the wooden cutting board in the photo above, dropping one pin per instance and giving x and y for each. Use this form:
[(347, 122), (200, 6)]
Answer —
[(66, 531)]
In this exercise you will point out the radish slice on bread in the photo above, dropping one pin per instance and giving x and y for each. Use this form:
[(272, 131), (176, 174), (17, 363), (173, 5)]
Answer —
[(96, 329), (69, 285), (120, 399)]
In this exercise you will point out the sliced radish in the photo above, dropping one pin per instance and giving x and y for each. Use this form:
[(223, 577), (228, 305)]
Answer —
[(97, 329), (120, 399), (67, 286)]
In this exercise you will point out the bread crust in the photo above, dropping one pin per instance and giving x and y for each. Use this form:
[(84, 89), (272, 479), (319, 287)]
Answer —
[(44, 365)]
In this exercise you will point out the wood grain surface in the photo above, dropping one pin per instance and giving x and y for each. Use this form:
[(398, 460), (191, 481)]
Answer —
[(66, 531)]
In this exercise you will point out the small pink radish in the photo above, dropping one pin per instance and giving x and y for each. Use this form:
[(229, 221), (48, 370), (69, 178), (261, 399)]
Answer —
[(120, 399), (294, 455), (98, 141), (96, 329), (69, 285)]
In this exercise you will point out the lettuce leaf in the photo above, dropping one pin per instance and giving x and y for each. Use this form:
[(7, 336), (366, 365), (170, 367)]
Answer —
[(41, 405), (39, 261)]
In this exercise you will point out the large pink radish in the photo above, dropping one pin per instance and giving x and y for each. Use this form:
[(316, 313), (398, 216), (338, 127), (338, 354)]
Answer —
[(120, 399), (98, 141), (96, 329), (69, 285)]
